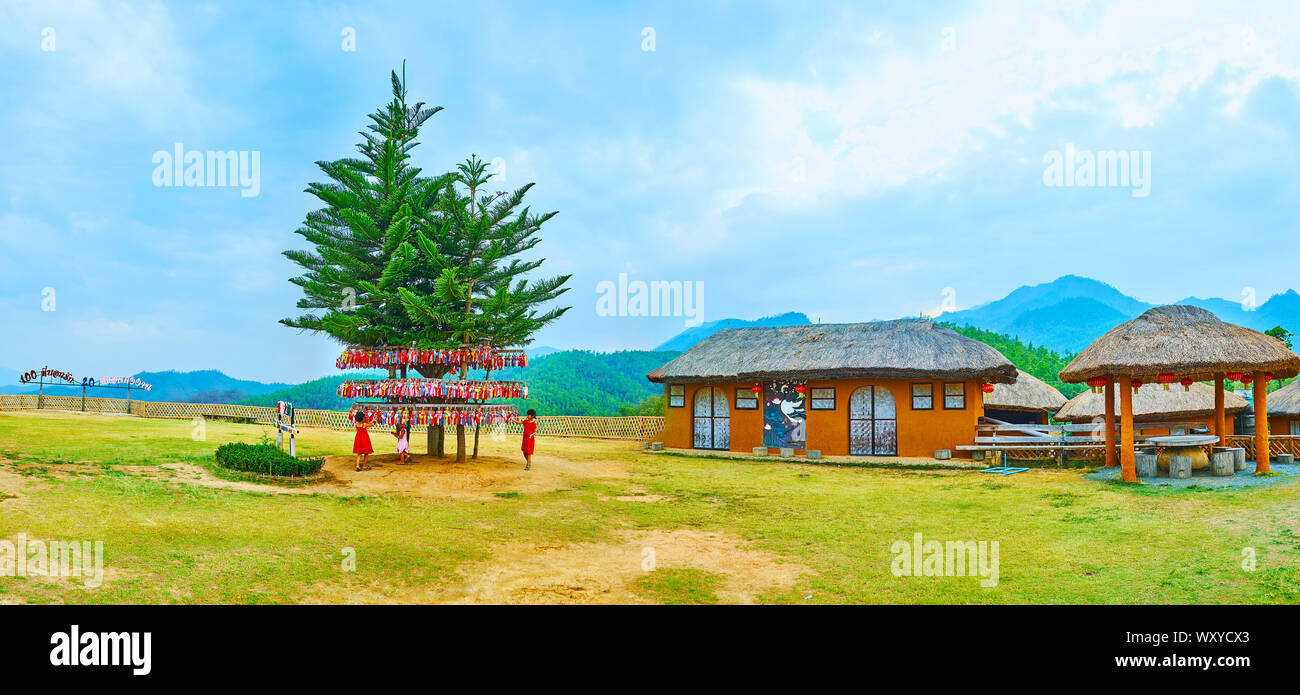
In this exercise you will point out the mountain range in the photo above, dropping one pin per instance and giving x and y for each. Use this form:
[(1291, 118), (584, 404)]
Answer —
[(1064, 315), (1039, 327), (560, 382)]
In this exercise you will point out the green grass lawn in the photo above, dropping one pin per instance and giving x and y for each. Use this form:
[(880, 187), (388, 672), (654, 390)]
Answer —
[(1062, 538)]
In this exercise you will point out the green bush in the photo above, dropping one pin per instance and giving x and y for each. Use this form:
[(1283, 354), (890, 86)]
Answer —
[(267, 459)]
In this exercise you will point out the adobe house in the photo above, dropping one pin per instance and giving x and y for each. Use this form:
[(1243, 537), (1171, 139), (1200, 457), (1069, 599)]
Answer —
[(1191, 405), (887, 388), (1284, 410), (1029, 401)]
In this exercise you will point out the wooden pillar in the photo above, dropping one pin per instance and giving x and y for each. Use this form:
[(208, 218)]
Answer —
[(1110, 422), (1261, 424), (1220, 420), (1127, 459)]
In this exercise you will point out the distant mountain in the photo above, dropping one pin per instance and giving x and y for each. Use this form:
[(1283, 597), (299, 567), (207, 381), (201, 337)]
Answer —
[(569, 382), (1070, 312), (541, 351), (684, 340), (171, 386), (1000, 315), (1069, 326), (9, 377)]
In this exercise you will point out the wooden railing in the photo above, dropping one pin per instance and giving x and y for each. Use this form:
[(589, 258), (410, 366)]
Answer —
[(1277, 444), (1060, 442), (641, 428)]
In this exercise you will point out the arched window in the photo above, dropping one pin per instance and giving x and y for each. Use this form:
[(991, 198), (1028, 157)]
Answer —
[(873, 422), (712, 419)]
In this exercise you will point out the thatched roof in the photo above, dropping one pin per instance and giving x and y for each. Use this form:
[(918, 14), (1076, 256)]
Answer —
[(1153, 402), (1185, 340), (1286, 400), (1029, 393), (902, 349)]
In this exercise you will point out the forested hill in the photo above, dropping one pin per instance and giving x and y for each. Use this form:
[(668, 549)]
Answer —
[(571, 382), (1042, 362)]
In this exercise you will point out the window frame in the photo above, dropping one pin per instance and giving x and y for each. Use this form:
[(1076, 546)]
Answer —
[(915, 396), (744, 395), (962, 384), (812, 399), (681, 394)]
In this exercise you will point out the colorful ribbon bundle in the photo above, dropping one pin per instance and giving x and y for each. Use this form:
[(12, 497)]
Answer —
[(482, 357), (378, 414), (413, 389)]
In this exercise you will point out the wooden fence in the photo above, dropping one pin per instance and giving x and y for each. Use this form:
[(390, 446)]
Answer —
[(641, 428)]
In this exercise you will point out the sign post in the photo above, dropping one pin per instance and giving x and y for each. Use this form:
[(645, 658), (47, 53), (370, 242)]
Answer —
[(39, 378), (284, 422)]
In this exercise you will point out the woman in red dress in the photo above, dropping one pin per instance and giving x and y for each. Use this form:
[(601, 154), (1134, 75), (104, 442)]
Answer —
[(530, 426), (361, 444)]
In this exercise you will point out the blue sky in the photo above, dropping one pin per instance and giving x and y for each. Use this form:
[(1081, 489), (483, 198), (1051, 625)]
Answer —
[(847, 161)]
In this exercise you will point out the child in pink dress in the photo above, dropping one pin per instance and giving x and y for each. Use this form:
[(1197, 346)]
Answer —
[(403, 444)]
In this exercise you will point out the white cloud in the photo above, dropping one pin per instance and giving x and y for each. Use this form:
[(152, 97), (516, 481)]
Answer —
[(915, 113)]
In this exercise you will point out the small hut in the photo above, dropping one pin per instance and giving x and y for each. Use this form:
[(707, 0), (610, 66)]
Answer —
[(1181, 408), (1029, 401), (887, 388), (1180, 344), (1284, 410)]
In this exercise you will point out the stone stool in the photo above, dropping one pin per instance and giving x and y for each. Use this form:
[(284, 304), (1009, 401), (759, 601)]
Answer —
[(942, 454), (656, 446), (787, 452), (1285, 458), (813, 453), (1145, 464), (1221, 463), (1239, 458), (1180, 466), (760, 451)]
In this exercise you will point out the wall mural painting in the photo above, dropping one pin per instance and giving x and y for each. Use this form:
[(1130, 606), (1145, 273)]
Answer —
[(784, 419)]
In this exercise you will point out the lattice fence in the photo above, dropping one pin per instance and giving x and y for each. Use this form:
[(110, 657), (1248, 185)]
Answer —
[(1277, 444), (639, 428)]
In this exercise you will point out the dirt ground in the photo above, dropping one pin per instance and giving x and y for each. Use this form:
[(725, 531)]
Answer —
[(516, 573), (596, 573)]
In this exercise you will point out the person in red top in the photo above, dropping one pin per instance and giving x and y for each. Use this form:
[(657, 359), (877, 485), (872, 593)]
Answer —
[(530, 427), (361, 443)]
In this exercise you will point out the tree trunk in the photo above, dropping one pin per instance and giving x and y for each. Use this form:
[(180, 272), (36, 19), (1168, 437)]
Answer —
[(460, 443), (476, 429)]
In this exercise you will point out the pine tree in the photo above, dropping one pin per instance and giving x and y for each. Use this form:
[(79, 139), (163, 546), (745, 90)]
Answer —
[(481, 296), (403, 259)]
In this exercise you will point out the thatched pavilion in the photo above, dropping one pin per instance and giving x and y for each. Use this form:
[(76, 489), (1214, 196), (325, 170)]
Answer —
[(1029, 401), (887, 388), (1180, 345), (1152, 403)]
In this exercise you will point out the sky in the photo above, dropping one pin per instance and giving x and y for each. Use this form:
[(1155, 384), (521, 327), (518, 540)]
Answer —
[(851, 161)]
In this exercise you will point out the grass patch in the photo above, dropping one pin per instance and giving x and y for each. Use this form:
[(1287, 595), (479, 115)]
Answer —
[(1063, 538), (680, 586)]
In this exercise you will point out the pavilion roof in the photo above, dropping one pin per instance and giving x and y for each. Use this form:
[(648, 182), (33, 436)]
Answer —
[(1187, 341)]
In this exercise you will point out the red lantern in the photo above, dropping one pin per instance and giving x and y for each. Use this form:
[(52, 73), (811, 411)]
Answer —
[(1098, 383), (1246, 379), (1137, 384), (801, 388), (756, 388), (1187, 384), (1234, 376), (987, 389), (1166, 379), (1268, 376)]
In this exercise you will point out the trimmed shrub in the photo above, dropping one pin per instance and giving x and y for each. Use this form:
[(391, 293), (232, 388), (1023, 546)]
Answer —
[(266, 459)]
